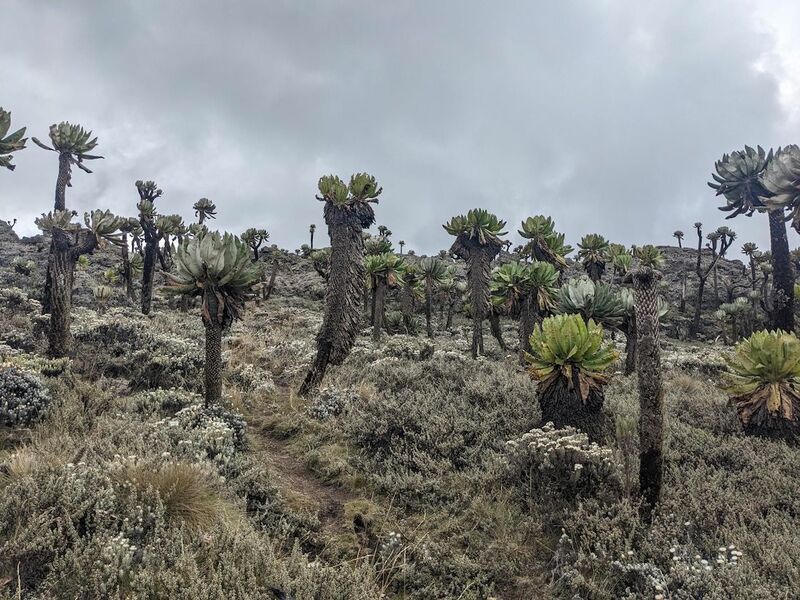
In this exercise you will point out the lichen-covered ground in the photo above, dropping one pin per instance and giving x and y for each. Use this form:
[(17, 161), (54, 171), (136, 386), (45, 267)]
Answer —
[(395, 480)]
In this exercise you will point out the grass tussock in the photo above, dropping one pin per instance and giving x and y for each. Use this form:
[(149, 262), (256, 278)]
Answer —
[(187, 491)]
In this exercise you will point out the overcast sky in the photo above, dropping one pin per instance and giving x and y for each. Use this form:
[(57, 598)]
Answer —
[(607, 115)]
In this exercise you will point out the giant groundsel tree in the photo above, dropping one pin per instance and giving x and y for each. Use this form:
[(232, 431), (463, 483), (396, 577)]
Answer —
[(148, 193), (347, 211), (748, 179), (570, 361), (433, 272), (384, 271), (69, 243), (526, 290), (477, 243), (592, 251), (204, 209), (219, 270), (73, 145), (254, 238)]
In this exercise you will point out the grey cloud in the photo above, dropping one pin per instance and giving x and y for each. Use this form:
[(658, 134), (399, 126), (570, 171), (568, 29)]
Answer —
[(606, 115)]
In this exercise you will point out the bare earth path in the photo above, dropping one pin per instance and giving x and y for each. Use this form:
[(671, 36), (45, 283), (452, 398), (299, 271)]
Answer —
[(296, 480)]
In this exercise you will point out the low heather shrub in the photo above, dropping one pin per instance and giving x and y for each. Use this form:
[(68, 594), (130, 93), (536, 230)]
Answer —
[(164, 402), (330, 402), (429, 419), (120, 345)]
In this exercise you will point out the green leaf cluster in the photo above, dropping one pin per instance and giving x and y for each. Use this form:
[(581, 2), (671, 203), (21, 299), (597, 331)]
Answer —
[(545, 242), (738, 179), (764, 376), (9, 142), (362, 188), (219, 264), (567, 346), (479, 225), (598, 301), (387, 268), (514, 282)]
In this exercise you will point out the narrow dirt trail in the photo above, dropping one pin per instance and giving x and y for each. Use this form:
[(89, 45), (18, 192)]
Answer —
[(294, 478)]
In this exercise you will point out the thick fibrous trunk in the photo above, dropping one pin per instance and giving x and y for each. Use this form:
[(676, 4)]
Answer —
[(715, 281), (373, 300), (163, 256), (783, 277), (367, 315), (61, 268), (213, 365), (478, 275), (494, 326), (406, 307), (479, 259), (148, 268), (340, 322), (429, 307), (449, 323), (127, 275), (48, 279), (63, 181), (527, 320), (651, 394), (563, 406), (701, 286), (380, 298), (61, 265), (595, 271), (630, 345), (272, 278)]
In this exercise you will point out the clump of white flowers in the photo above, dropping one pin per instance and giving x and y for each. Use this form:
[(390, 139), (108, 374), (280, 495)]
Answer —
[(116, 563), (15, 297), (144, 351), (33, 363), (161, 400), (408, 347), (23, 266), (200, 433), (727, 556), (563, 459), (23, 398), (331, 402), (251, 379)]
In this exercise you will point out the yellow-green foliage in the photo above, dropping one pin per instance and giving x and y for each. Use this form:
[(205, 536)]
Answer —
[(11, 142), (363, 188), (215, 263), (387, 266), (565, 345), (764, 377), (478, 224), (649, 256)]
